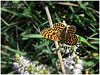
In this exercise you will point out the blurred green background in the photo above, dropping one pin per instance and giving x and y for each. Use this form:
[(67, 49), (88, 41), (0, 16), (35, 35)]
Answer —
[(22, 21)]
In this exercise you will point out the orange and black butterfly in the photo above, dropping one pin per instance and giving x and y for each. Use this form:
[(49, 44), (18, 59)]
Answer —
[(62, 33)]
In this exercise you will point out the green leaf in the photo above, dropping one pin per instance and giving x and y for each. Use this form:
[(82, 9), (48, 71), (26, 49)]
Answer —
[(28, 36), (12, 72), (58, 18), (81, 39), (46, 51), (78, 21), (97, 57), (43, 44), (16, 1), (95, 42), (5, 22), (94, 34), (5, 53), (4, 62), (71, 9), (93, 38), (27, 12), (90, 15), (88, 64), (15, 13), (13, 50), (81, 4)]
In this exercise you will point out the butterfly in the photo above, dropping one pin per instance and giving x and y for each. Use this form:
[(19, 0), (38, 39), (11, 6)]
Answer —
[(62, 33)]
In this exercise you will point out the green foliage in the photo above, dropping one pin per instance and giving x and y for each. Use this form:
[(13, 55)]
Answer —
[(21, 26)]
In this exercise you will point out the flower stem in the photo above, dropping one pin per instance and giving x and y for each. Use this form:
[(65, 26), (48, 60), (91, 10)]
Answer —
[(56, 43)]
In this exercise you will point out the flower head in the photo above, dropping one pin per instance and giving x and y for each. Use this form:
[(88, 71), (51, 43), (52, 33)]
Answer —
[(73, 64), (25, 66)]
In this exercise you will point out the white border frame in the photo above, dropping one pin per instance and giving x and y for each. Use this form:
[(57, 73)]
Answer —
[(52, 0)]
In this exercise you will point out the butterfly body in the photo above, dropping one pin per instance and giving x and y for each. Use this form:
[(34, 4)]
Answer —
[(62, 33)]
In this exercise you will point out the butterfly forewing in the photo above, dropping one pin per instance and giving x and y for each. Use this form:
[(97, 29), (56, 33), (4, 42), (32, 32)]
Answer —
[(59, 26), (49, 33)]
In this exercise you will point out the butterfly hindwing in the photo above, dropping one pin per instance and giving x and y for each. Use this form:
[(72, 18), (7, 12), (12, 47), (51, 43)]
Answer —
[(69, 39)]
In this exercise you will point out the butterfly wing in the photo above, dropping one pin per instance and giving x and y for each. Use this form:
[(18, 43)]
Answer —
[(51, 34), (59, 27), (71, 29), (69, 39)]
